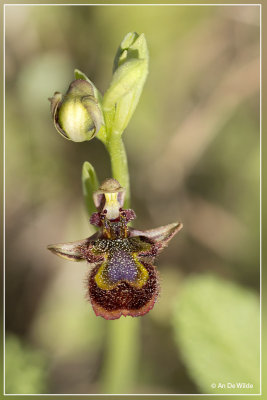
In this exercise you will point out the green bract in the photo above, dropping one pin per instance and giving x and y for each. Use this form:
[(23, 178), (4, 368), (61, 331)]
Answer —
[(129, 75), (77, 115), (90, 185)]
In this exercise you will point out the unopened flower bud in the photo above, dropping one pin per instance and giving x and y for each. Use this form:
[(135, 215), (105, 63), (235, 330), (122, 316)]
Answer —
[(133, 46), (77, 115)]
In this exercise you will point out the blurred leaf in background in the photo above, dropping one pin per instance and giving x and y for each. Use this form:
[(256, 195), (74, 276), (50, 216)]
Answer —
[(66, 326), (217, 329), (26, 368)]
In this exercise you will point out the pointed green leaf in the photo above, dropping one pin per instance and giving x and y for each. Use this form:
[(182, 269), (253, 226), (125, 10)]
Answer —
[(89, 184)]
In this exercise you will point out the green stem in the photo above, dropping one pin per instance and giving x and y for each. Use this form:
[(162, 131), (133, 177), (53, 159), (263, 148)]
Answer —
[(122, 354), (119, 164), (119, 374)]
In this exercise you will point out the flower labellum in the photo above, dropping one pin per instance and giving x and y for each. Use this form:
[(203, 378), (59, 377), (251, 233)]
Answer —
[(77, 115), (123, 279)]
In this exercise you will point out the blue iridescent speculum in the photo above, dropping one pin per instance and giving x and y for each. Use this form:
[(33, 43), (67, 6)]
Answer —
[(123, 279)]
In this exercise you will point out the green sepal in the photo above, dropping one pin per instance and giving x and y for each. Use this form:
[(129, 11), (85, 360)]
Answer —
[(81, 75), (101, 134)]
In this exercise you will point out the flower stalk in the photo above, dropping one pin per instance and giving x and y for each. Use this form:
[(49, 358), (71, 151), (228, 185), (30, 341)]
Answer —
[(119, 374), (119, 164)]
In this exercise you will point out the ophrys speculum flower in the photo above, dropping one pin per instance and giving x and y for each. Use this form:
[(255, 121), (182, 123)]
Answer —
[(123, 279)]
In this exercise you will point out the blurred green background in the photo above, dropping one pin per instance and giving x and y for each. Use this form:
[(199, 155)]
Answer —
[(193, 149)]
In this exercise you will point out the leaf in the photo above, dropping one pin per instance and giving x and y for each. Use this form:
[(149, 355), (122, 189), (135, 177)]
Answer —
[(129, 75), (25, 367), (216, 325), (80, 331), (89, 184), (124, 80)]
